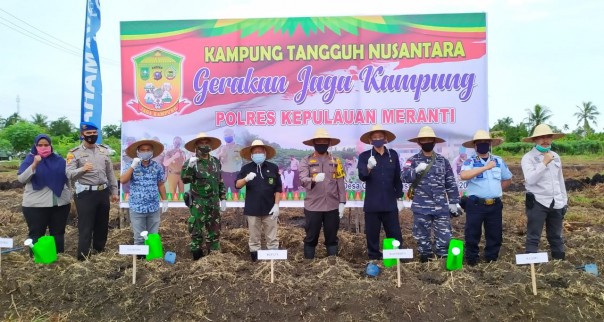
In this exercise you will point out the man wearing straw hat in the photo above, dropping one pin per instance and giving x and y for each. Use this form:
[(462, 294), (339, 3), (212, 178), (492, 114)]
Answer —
[(202, 171), (89, 165), (546, 198), (434, 194), (146, 179), (487, 175), (380, 169), (322, 177), (263, 192)]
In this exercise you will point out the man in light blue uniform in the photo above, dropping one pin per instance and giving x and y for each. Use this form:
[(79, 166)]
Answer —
[(487, 175), (435, 196)]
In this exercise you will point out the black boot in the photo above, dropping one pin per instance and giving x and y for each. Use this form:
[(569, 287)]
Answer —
[(332, 250), (424, 258), (309, 252), (558, 255), (197, 254), (254, 256)]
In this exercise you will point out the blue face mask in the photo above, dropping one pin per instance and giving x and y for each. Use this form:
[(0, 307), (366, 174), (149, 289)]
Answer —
[(542, 149), (145, 156), (228, 139), (258, 158)]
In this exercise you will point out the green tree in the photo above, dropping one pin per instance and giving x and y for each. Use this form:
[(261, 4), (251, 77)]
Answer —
[(112, 131), (2, 122), (511, 133), (21, 135), (538, 115), (587, 113), (40, 120), (13, 119), (61, 127)]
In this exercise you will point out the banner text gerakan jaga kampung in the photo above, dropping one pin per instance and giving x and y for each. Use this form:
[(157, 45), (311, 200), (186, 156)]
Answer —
[(373, 78)]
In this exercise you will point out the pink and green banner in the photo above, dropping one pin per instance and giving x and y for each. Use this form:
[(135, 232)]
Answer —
[(279, 79)]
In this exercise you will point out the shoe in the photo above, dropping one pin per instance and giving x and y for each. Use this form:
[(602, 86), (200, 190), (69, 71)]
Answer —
[(471, 262), (332, 250), (559, 255), (424, 258), (141, 256), (254, 256), (197, 254), (309, 252)]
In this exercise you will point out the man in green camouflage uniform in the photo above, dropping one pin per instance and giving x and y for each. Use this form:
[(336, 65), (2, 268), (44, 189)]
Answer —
[(203, 173)]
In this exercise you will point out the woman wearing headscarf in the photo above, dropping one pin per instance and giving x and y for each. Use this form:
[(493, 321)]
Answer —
[(46, 197)]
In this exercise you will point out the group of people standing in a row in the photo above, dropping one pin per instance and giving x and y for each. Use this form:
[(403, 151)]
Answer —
[(433, 191)]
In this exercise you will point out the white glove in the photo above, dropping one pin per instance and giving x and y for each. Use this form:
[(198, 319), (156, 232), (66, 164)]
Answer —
[(341, 209), (222, 205), (164, 206), (421, 167), (274, 212), (400, 205), (193, 161), (135, 163), (250, 176), (452, 208), (320, 177), (371, 163)]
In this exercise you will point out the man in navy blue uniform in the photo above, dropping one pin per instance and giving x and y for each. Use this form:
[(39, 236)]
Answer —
[(487, 175), (435, 196), (380, 169)]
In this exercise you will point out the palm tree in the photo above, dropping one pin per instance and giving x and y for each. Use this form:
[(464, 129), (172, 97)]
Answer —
[(587, 113), (12, 119), (538, 115), (40, 120)]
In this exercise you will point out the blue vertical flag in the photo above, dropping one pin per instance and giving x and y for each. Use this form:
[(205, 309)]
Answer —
[(92, 89)]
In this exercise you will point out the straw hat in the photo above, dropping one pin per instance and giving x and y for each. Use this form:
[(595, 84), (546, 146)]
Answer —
[(158, 148), (214, 142), (246, 152), (482, 135), (366, 138), (542, 130), (426, 132), (321, 133)]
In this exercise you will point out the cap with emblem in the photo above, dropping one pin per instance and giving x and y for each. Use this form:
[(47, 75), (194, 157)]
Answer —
[(87, 126)]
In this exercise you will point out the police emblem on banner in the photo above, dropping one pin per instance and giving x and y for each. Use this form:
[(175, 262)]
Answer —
[(158, 83)]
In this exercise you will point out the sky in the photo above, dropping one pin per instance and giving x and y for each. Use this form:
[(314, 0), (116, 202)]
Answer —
[(546, 52)]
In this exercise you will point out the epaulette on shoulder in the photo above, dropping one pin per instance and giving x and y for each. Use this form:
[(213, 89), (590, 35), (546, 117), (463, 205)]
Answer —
[(75, 149)]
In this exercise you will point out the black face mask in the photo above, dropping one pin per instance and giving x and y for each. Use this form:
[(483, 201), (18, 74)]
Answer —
[(203, 150), (321, 148), (483, 148), (91, 139), (427, 147), (378, 143)]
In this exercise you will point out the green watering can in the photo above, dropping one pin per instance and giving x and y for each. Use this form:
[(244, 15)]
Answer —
[(154, 242), (387, 244), (45, 249), (455, 256)]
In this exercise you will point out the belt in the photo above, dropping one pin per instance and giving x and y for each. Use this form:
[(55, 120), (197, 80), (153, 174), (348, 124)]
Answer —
[(485, 201), (98, 187)]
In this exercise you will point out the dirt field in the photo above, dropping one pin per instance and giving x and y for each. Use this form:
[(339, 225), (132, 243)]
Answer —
[(228, 287)]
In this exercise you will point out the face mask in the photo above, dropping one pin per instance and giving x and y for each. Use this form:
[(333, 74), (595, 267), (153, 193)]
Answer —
[(258, 158), (177, 144), (542, 149), (378, 143), (91, 139), (145, 156), (427, 147), (228, 139), (321, 148), (483, 148), (44, 151), (203, 149)]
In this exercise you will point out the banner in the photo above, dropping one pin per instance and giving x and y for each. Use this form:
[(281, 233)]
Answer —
[(280, 79), (92, 89)]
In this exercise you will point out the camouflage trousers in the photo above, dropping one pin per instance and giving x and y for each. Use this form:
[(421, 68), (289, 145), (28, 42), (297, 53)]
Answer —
[(205, 215), (424, 225)]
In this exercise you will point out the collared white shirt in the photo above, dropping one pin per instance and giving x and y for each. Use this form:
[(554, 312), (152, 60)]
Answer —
[(546, 182)]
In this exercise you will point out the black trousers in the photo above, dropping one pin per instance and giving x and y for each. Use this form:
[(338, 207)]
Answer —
[(93, 220), (477, 216), (373, 225), (330, 220), (53, 218), (553, 219)]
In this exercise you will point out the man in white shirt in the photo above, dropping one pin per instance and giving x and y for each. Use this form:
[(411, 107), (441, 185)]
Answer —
[(546, 199)]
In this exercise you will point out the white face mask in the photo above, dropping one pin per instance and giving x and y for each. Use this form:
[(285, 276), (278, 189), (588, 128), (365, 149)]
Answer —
[(145, 156)]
